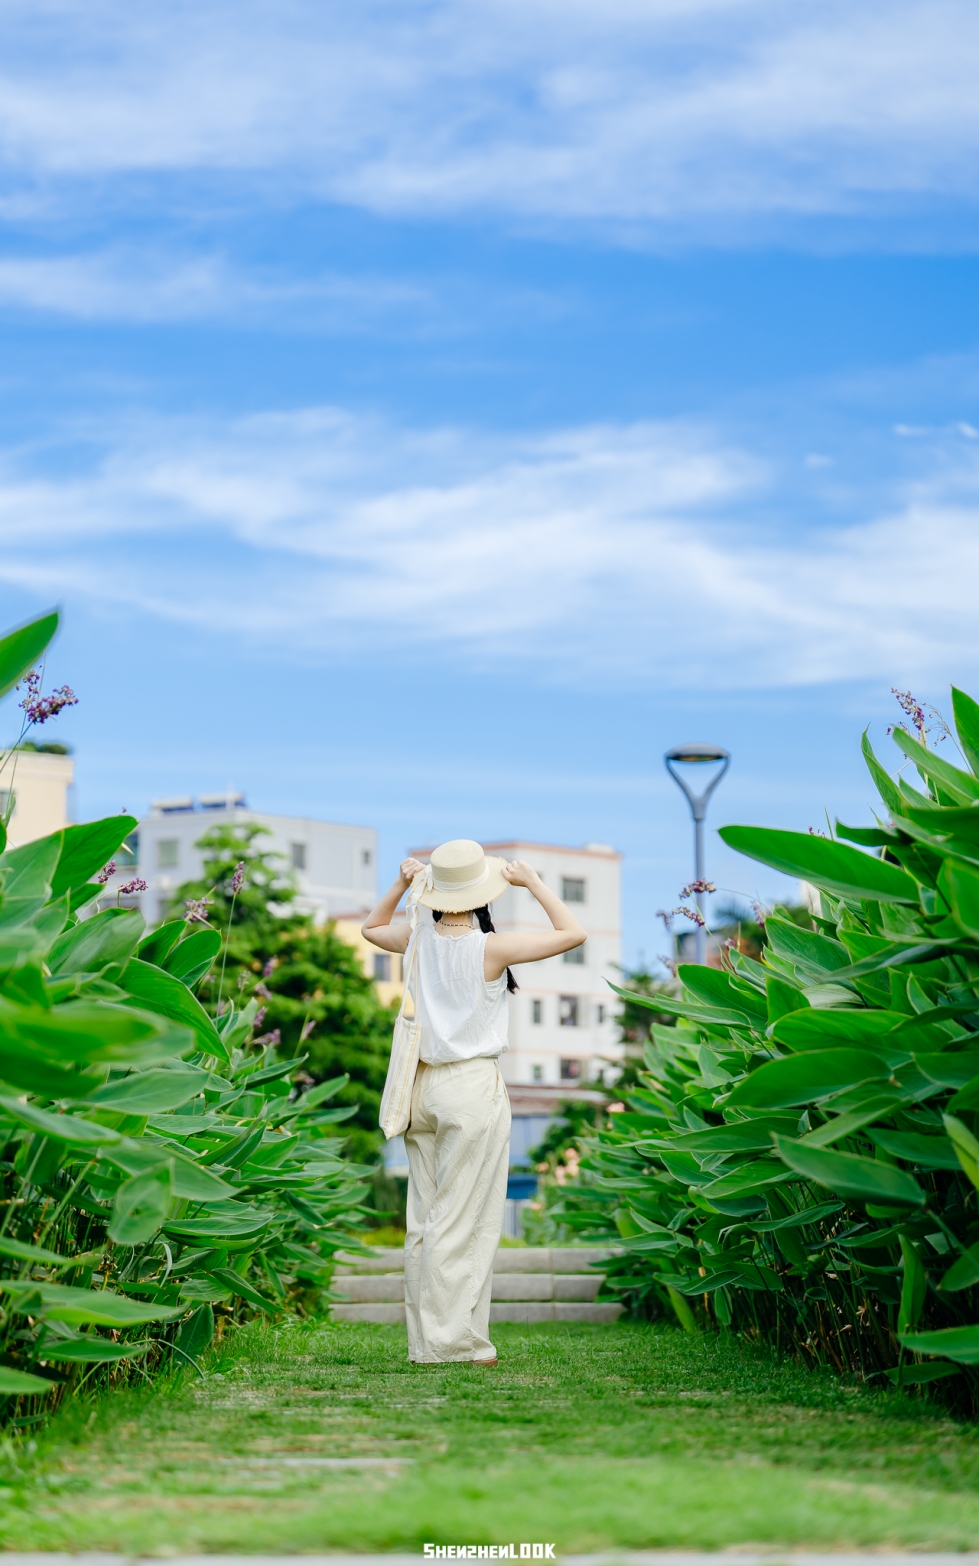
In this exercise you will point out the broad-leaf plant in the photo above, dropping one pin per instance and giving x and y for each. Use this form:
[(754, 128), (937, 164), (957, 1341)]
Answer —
[(156, 1166), (801, 1159)]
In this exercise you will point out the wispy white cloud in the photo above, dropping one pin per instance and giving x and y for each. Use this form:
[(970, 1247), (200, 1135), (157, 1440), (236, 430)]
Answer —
[(598, 109), (623, 553), (130, 285)]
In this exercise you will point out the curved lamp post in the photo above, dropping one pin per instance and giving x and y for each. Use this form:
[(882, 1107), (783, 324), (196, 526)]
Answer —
[(698, 755)]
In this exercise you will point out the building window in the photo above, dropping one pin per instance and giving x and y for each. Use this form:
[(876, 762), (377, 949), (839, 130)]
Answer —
[(537, 1073), (167, 852), (537, 1011), (570, 1070), (365, 856), (576, 955), (572, 889), (382, 966), (568, 1011), (599, 1013), (298, 855)]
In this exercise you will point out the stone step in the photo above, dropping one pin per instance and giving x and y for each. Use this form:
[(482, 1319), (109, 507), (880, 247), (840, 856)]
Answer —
[(523, 1311), (376, 1288), (517, 1258)]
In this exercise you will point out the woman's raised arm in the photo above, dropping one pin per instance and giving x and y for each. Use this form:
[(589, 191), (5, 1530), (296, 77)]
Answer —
[(377, 927), (503, 950)]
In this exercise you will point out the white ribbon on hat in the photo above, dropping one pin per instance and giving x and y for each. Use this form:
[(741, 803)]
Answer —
[(423, 882)]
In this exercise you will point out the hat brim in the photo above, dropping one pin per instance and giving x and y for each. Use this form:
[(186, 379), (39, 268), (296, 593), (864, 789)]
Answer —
[(471, 896)]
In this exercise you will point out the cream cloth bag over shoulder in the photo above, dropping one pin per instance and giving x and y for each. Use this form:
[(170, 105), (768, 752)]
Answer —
[(395, 1115)]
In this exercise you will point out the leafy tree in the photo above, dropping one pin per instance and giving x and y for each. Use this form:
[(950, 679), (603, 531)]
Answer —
[(317, 1000)]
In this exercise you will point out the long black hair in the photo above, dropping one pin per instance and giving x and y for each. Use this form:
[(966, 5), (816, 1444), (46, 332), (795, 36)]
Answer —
[(488, 928)]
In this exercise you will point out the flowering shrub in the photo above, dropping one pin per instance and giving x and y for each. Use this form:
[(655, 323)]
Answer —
[(157, 1165), (801, 1159)]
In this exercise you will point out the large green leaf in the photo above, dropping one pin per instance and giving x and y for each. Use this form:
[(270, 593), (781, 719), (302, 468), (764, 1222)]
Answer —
[(958, 1343), (18, 1383), (109, 936), (739, 1136), (952, 779), (951, 1068), (83, 1307), (964, 1273), (715, 988), (22, 648), (87, 1349), (815, 954), (834, 867), (161, 992), (859, 1179), (196, 1332), (966, 1147), (64, 1128), (747, 1177), (805, 1079), (140, 1206), (20, 1250), (966, 713), (886, 787), (154, 947), (150, 1092), (931, 1152), (86, 848), (228, 1223), (960, 885), (913, 1288), (189, 960), (30, 868), (191, 1182), (819, 1029), (87, 1031), (243, 1289)]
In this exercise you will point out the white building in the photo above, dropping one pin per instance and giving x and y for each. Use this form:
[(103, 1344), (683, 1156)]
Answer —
[(335, 867), (39, 781)]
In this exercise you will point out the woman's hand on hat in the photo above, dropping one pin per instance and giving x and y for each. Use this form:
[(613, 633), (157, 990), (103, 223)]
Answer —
[(519, 873), (409, 869)]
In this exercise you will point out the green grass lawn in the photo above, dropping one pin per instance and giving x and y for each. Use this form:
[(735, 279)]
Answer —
[(589, 1437)]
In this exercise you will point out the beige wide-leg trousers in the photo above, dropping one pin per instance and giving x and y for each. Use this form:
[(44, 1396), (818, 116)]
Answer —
[(458, 1154)]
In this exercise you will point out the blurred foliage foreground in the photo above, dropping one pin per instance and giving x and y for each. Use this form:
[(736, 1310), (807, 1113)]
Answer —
[(156, 1164), (801, 1157)]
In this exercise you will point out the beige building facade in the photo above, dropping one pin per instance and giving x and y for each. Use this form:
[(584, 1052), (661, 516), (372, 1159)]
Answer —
[(39, 782)]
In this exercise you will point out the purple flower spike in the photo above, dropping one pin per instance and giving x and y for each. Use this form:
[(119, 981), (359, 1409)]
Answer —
[(259, 1016), (667, 919), (698, 886), (238, 879), (912, 709), (693, 914), (269, 968), (136, 885), (275, 1037), (106, 873), (761, 914), (197, 910), (308, 1027), (40, 708)]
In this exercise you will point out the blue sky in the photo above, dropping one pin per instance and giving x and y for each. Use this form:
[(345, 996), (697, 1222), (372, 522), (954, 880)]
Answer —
[(428, 413)]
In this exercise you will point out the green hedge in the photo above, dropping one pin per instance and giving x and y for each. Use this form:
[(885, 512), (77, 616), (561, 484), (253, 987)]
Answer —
[(155, 1166), (801, 1160)]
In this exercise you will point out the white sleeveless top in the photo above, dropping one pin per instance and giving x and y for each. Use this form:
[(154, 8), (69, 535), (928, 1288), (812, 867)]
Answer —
[(462, 1016)]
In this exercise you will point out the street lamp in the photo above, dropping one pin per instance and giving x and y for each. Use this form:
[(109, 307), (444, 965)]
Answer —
[(698, 756)]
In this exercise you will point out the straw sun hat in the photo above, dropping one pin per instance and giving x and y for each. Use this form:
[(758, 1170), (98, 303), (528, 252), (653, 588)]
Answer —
[(459, 877)]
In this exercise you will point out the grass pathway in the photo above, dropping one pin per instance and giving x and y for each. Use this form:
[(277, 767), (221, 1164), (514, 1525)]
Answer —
[(590, 1437)]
